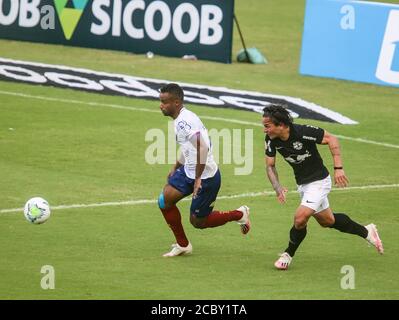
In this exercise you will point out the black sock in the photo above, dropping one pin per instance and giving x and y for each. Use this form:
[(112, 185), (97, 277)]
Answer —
[(296, 237), (344, 224)]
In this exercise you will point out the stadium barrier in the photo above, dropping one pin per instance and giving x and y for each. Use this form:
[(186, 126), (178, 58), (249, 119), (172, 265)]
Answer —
[(203, 28), (351, 40)]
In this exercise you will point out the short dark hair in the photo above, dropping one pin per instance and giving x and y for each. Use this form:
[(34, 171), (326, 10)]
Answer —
[(278, 114), (174, 89)]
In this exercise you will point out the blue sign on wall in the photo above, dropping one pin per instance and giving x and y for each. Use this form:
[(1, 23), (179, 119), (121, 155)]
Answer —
[(351, 40)]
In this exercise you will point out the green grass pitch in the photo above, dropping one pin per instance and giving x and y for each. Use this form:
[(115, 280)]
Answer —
[(75, 153)]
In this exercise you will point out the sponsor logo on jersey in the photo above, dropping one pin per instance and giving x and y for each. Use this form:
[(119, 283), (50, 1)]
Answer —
[(297, 158), (309, 138)]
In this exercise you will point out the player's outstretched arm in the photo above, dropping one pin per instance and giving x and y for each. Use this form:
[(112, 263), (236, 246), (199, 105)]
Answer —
[(340, 178), (273, 178)]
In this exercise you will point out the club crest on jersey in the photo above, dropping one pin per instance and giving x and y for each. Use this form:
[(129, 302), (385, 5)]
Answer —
[(183, 125), (297, 145)]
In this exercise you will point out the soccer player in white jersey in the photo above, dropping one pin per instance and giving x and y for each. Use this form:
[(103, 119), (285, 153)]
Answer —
[(195, 172), (297, 145)]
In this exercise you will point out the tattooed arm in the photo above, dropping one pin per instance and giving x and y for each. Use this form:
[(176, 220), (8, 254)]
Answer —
[(273, 178)]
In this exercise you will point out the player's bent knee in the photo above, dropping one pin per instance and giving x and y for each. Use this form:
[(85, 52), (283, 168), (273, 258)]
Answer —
[(326, 223), (300, 222), (197, 223)]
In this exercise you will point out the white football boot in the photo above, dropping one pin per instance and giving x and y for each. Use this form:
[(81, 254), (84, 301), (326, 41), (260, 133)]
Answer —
[(179, 251), (373, 237), (244, 222), (283, 262)]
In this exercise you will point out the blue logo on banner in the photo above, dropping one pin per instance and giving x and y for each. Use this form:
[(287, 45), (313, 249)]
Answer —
[(351, 40), (395, 61)]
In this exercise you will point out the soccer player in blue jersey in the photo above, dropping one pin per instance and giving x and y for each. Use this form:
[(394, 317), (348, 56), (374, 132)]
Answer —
[(297, 145), (195, 172)]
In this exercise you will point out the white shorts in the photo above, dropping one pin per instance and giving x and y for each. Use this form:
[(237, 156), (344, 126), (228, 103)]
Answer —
[(314, 194)]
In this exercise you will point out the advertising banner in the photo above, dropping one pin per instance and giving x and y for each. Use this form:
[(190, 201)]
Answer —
[(351, 40), (176, 28), (65, 77)]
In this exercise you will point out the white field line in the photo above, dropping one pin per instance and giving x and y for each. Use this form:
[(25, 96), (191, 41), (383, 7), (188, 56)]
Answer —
[(154, 201), (116, 106)]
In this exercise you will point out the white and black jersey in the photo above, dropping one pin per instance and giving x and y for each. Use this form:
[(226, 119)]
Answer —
[(300, 151)]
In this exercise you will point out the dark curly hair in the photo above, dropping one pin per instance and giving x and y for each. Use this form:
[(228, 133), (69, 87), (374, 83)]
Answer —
[(278, 114), (174, 89)]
